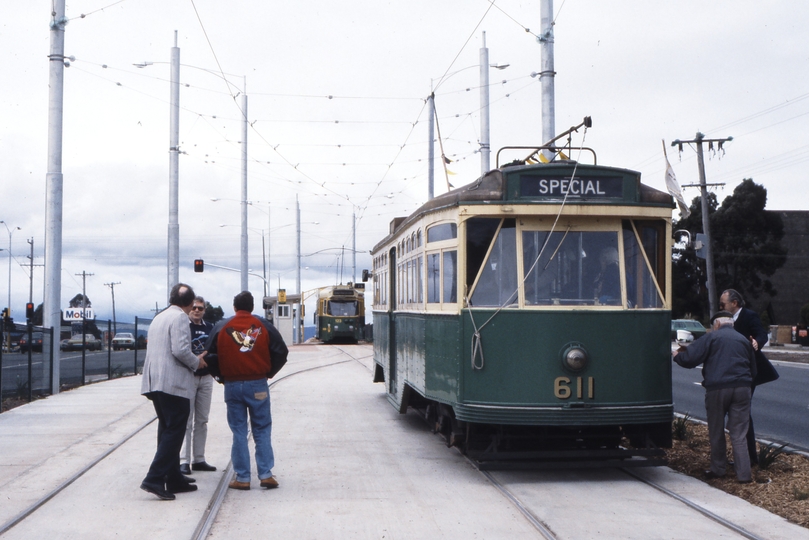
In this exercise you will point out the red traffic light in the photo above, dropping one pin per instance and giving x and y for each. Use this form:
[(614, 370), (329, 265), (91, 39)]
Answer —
[(199, 265), (29, 310)]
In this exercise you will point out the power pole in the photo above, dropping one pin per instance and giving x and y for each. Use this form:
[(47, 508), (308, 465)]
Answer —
[(112, 290), (699, 139)]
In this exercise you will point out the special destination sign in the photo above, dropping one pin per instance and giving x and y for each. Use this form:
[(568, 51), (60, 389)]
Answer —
[(580, 187)]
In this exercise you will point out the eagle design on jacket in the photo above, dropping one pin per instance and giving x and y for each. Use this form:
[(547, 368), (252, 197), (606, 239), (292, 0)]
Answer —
[(245, 339)]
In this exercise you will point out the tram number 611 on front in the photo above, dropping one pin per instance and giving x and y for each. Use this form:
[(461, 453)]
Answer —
[(562, 390)]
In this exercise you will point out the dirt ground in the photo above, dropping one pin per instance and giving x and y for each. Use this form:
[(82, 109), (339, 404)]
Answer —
[(782, 488)]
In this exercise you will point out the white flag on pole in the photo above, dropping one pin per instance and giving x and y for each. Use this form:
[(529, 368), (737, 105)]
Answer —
[(674, 187)]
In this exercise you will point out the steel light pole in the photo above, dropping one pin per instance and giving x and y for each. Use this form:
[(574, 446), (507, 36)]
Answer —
[(173, 262), (10, 231), (483, 66)]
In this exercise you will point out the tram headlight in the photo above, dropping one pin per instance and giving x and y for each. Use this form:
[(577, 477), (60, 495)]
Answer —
[(574, 357)]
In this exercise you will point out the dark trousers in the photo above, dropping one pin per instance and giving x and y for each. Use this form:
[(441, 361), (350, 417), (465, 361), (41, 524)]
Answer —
[(751, 434), (172, 417)]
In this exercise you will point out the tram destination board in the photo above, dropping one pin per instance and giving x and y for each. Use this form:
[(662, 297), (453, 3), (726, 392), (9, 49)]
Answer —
[(580, 187)]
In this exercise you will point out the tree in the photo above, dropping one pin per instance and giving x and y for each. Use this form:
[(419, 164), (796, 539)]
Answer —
[(76, 301), (213, 314), (746, 248), (748, 242)]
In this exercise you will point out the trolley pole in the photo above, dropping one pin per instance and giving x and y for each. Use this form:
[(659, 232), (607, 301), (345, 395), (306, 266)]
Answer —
[(698, 140)]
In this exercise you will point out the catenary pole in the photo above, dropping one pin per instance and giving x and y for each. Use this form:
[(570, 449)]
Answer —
[(173, 276), (51, 311), (484, 108), (547, 75), (430, 146), (296, 319), (244, 269)]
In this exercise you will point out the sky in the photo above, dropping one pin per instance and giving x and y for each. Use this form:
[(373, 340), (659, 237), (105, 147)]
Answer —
[(338, 122)]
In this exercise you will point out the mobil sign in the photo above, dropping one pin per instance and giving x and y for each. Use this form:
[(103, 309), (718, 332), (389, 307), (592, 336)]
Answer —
[(77, 314)]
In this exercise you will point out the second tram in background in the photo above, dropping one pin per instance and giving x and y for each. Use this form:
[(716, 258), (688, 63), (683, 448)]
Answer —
[(529, 313), (340, 315)]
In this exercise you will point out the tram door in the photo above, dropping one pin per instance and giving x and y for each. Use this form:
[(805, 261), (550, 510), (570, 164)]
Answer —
[(392, 305)]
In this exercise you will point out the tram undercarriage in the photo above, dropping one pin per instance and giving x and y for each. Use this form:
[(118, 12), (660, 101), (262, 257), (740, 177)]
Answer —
[(501, 447)]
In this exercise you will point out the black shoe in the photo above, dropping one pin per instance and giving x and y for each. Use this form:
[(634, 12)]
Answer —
[(156, 489), (710, 475), (182, 487), (202, 466), (185, 469)]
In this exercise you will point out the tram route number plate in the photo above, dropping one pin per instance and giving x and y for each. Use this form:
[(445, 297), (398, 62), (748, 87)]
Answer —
[(563, 387)]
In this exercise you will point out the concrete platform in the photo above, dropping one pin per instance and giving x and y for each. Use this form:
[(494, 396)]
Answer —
[(349, 466)]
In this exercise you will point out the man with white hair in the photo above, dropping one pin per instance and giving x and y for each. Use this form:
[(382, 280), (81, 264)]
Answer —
[(728, 370)]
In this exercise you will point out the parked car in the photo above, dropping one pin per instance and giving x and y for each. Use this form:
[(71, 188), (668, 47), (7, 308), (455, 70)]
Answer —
[(123, 340), (36, 342), (63, 345), (75, 343), (695, 327)]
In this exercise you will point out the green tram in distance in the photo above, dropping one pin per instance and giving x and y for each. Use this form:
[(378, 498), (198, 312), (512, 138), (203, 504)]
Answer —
[(528, 313), (340, 315)]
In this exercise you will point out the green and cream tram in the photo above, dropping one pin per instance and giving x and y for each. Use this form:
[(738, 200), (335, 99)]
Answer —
[(536, 298)]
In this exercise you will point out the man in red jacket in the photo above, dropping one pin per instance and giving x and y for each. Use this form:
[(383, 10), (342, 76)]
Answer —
[(248, 350)]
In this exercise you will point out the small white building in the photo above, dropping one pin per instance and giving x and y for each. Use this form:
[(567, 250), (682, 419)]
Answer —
[(281, 313)]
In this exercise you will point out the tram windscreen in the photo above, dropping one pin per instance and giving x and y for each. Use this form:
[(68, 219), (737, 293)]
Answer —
[(571, 268), (641, 290), (342, 309)]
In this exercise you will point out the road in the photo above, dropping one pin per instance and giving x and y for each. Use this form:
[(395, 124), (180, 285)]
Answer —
[(779, 407), (15, 367)]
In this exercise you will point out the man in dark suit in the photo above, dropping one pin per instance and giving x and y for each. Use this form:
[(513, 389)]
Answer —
[(747, 323)]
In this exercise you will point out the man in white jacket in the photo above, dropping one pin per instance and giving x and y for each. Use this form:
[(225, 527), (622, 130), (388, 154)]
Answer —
[(168, 381)]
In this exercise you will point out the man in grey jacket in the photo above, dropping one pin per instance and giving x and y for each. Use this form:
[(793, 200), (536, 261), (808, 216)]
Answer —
[(728, 369), (168, 381)]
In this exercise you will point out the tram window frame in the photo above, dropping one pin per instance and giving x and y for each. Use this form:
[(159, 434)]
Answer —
[(645, 271), (493, 278), (441, 232), (581, 255)]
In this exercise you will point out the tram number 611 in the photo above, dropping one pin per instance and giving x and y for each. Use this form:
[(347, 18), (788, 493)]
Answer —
[(562, 390)]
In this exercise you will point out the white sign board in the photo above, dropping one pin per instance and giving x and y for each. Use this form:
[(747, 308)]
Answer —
[(75, 314)]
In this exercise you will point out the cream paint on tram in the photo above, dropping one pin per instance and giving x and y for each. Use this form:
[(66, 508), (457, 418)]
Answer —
[(411, 290)]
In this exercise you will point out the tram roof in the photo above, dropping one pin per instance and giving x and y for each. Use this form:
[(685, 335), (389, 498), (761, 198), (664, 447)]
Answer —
[(533, 184)]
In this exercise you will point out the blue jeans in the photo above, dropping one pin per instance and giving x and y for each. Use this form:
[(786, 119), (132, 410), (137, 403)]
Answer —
[(242, 397)]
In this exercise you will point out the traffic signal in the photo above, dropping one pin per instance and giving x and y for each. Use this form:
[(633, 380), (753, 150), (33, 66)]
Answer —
[(29, 310), (199, 265), (5, 313)]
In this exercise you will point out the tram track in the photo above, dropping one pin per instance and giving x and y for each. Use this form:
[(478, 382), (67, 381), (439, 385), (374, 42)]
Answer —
[(542, 525), (214, 504), (546, 531)]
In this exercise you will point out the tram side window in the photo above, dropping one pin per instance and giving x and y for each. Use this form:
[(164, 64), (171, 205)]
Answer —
[(497, 284), (443, 231), (571, 268), (433, 278), (419, 280), (450, 276)]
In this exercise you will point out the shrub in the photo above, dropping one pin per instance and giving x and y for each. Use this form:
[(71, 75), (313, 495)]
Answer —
[(768, 454), (680, 427)]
